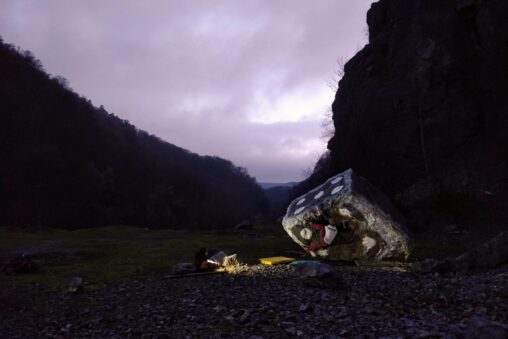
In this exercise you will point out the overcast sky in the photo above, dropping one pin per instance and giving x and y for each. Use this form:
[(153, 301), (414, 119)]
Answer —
[(245, 80)]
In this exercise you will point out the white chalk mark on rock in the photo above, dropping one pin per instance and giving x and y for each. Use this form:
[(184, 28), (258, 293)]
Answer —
[(336, 180), (299, 210), (319, 195), (337, 189), (368, 243), (345, 212)]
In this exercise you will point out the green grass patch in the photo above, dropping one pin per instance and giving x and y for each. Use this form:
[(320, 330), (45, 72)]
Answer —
[(109, 255), (114, 254)]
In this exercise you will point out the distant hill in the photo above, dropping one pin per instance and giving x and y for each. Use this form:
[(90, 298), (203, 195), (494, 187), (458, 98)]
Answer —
[(266, 185), (66, 163), (278, 198)]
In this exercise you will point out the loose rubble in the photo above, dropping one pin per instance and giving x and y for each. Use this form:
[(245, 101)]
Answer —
[(491, 253), (268, 302)]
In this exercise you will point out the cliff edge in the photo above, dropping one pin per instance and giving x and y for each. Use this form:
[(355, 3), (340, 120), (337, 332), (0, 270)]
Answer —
[(421, 111)]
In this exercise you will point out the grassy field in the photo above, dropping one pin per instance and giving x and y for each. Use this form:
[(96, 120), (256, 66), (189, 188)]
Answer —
[(113, 254), (103, 256)]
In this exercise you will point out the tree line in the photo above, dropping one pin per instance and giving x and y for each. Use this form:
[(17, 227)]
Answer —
[(66, 163)]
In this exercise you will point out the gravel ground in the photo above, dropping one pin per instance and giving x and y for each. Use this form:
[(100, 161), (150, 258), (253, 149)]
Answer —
[(269, 302)]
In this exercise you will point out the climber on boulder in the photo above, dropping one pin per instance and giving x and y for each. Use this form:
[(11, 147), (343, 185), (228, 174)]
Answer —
[(326, 236)]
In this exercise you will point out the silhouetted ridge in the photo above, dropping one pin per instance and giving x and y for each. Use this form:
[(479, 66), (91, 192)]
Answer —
[(421, 111), (67, 163)]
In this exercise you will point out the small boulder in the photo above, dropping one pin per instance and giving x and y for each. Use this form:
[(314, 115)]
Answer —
[(318, 275), (76, 285), (368, 225), (483, 328), (478, 327), (487, 255), (313, 269), (244, 317)]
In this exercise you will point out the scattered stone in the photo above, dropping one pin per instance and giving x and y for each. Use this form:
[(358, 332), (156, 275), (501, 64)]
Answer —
[(76, 285), (244, 317), (482, 328), (379, 302), (304, 307), (452, 229), (478, 328), (313, 269), (291, 330), (340, 313), (485, 256)]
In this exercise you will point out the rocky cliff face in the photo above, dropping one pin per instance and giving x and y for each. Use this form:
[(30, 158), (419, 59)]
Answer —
[(422, 110)]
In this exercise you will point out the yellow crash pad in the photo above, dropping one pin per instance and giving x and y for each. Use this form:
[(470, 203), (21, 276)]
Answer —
[(276, 260)]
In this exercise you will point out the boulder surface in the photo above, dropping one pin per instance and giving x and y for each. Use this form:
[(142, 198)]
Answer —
[(369, 225)]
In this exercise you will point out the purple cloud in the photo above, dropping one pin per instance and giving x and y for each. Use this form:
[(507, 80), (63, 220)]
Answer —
[(244, 80)]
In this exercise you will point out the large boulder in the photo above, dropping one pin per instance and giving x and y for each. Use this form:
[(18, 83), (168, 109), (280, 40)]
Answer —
[(369, 225)]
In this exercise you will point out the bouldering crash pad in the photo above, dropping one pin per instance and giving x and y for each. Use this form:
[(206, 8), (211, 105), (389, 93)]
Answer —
[(276, 260), (368, 225)]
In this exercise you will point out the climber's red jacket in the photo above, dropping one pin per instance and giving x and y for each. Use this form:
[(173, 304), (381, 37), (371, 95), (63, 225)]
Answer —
[(318, 243)]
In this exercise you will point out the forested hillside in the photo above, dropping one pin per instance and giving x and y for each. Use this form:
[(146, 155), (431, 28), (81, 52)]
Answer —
[(66, 163)]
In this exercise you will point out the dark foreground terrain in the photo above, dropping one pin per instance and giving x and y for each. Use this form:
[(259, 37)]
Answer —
[(269, 302), (127, 291)]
